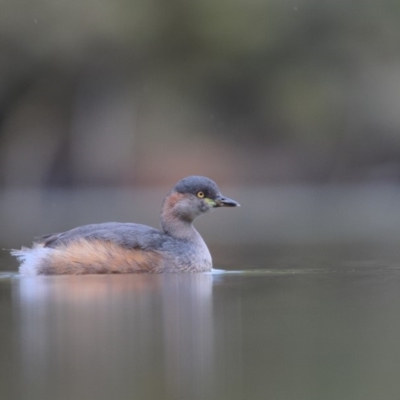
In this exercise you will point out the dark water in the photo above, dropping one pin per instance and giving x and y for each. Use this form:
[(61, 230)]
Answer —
[(295, 324)]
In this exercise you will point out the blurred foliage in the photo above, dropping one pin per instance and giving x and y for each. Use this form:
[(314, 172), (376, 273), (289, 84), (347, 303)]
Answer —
[(100, 92)]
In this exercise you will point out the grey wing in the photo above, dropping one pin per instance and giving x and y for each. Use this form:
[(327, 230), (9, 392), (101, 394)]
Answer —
[(127, 235)]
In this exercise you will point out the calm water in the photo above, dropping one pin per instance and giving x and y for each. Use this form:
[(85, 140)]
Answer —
[(321, 323)]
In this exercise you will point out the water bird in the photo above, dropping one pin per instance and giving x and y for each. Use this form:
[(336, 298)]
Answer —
[(115, 248)]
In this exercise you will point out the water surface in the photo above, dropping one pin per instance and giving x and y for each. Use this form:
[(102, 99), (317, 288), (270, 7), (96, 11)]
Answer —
[(319, 323)]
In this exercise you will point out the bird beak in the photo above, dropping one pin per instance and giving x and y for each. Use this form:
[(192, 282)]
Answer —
[(221, 201)]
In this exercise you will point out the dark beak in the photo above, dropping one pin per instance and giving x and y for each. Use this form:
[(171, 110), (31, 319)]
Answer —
[(222, 201)]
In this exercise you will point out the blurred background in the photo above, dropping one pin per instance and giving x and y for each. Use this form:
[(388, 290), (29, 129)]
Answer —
[(292, 107)]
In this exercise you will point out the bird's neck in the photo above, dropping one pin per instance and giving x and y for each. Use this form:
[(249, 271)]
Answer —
[(174, 222), (178, 228)]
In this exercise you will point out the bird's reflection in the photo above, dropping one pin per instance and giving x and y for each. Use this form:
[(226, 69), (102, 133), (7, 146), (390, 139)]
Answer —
[(188, 335), (99, 336)]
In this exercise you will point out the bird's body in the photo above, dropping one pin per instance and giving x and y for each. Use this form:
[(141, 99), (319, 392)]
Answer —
[(115, 247)]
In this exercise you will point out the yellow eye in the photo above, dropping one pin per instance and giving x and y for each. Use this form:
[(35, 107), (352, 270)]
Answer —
[(200, 194)]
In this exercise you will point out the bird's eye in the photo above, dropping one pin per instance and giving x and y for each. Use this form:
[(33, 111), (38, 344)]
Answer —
[(200, 194)]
